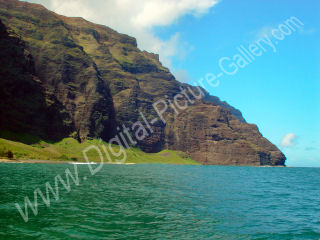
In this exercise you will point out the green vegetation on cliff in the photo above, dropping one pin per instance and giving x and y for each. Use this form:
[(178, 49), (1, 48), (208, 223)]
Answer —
[(69, 149)]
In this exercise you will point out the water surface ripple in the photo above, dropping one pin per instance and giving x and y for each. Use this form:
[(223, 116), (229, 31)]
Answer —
[(163, 202)]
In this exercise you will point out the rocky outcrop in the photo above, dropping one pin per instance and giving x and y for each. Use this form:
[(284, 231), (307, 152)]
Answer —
[(103, 81), (214, 136)]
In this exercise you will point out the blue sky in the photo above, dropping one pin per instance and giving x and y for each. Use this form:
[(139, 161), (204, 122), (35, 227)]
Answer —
[(279, 91)]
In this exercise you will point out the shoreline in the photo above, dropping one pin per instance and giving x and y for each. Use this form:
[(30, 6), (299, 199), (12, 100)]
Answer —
[(5, 160), (36, 161)]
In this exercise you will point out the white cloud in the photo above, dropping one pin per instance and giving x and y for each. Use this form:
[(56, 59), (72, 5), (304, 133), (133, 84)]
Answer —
[(182, 76), (266, 31), (288, 140), (138, 18), (71, 8)]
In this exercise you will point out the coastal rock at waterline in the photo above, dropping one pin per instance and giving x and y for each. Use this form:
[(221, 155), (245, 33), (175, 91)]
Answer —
[(212, 135)]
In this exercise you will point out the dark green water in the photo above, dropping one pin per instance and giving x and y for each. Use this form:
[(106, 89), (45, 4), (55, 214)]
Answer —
[(163, 202)]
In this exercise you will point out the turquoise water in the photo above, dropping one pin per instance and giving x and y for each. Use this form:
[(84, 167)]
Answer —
[(163, 202)]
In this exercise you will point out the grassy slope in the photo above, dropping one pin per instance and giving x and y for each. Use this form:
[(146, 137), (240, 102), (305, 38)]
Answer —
[(70, 149)]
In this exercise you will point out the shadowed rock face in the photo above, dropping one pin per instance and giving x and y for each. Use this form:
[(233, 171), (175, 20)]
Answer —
[(25, 106), (103, 80), (64, 68)]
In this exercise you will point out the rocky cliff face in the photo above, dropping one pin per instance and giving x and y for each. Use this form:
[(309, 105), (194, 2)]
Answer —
[(25, 106), (212, 134), (103, 80)]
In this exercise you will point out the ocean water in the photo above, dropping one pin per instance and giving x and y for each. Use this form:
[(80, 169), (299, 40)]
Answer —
[(162, 202)]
